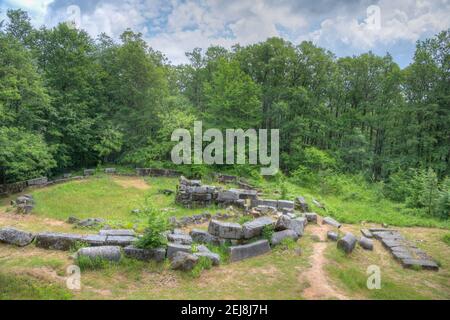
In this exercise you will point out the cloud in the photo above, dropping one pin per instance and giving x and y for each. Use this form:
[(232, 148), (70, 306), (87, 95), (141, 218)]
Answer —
[(177, 26)]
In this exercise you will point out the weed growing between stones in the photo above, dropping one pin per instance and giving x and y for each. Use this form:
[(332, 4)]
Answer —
[(158, 222), (204, 263), (77, 246), (268, 232), (221, 250)]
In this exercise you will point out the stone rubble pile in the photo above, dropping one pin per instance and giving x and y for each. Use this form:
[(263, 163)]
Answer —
[(405, 251), (23, 204), (192, 194)]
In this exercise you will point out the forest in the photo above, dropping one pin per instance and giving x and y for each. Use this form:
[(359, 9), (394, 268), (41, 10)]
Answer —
[(69, 101)]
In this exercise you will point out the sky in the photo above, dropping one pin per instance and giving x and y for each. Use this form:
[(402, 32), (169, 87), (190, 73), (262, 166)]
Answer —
[(174, 27)]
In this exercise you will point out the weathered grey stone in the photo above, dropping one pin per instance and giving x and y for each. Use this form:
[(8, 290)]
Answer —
[(278, 237), (301, 204), (57, 241), (333, 236), (214, 257), (183, 261), (38, 181), (424, 264), (110, 170), (366, 233), (311, 217), (117, 232), (89, 172), (366, 243), (173, 248), (393, 243), (249, 250), (347, 243), (318, 204), (388, 235), (227, 195), (157, 254), (122, 241), (285, 204), (268, 202), (245, 194), (254, 228), (180, 238), (330, 221), (16, 237), (284, 222), (286, 211), (95, 240), (400, 255), (110, 253), (24, 200), (202, 236), (226, 230)]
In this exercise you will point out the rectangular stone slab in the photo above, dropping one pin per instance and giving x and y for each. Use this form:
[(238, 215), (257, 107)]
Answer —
[(254, 228), (122, 241), (57, 241), (285, 204), (366, 233), (250, 250), (117, 232), (173, 248), (387, 235), (158, 254), (226, 230), (424, 264)]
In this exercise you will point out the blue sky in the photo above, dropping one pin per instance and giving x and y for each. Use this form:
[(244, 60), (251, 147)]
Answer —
[(348, 27)]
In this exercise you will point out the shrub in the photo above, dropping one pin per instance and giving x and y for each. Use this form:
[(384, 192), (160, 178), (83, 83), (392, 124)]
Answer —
[(157, 223)]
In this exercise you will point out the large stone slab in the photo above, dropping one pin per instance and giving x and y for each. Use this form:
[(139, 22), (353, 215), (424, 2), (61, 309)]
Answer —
[(157, 254), (286, 223), (332, 235), (366, 233), (57, 241), (332, 222), (254, 228), (278, 237), (227, 195), (183, 261), (180, 238), (173, 248), (249, 250), (347, 243), (117, 232), (301, 204), (110, 253), (285, 204), (95, 240), (16, 237), (122, 241), (392, 235), (226, 230), (202, 236), (268, 202), (420, 263)]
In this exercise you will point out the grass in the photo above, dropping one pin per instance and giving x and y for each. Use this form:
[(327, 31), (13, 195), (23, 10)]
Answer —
[(276, 275), (353, 204), (14, 287)]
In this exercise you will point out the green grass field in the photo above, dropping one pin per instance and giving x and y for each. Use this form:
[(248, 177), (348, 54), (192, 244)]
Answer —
[(33, 273)]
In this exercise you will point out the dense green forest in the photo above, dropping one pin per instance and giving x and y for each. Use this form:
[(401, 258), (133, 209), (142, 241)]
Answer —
[(70, 101)]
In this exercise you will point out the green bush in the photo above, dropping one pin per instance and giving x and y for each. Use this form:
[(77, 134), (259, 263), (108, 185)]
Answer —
[(157, 223)]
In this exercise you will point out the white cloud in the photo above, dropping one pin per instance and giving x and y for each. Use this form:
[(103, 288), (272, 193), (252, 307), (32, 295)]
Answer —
[(400, 20)]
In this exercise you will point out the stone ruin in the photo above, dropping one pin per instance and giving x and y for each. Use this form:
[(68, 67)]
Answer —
[(23, 204), (192, 194)]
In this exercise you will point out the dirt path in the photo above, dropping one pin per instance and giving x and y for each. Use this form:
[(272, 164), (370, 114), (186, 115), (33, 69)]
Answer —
[(320, 286)]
